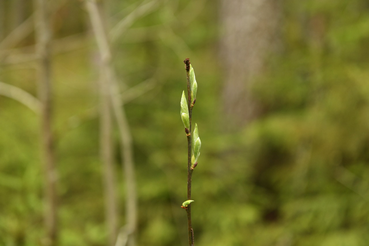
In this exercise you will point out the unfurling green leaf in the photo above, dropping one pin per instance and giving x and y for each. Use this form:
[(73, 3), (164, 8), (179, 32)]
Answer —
[(184, 106), (196, 145), (184, 111), (193, 159), (195, 133), (196, 149), (186, 120), (193, 93), (186, 203), (193, 84)]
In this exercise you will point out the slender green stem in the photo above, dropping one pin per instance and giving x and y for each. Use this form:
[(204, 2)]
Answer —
[(189, 144)]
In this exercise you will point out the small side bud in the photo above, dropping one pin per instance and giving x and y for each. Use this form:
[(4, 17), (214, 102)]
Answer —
[(186, 203), (194, 166), (193, 103)]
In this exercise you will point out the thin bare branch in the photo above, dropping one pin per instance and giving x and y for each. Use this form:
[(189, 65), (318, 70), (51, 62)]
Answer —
[(21, 96), (26, 54), (122, 239), (18, 34), (142, 34), (99, 30), (43, 41), (352, 182), (125, 11), (179, 46), (138, 90), (19, 58), (91, 113), (191, 11), (22, 31), (142, 10)]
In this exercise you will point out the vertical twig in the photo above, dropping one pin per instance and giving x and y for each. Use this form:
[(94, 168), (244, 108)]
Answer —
[(17, 34), (19, 12), (43, 40), (189, 153), (193, 151), (2, 20), (124, 131)]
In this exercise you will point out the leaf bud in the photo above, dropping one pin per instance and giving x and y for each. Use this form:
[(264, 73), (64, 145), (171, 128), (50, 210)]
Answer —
[(196, 145), (193, 84), (184, 111)]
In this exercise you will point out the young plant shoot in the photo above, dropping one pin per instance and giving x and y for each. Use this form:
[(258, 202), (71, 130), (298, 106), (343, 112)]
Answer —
[(193, 139)]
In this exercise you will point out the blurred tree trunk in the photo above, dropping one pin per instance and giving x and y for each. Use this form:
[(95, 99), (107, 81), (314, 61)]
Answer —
[(316, 35), (19, 12), (43, 40), (249, 36), (2, 20), (106, 155), (128, 234), (106, 150)]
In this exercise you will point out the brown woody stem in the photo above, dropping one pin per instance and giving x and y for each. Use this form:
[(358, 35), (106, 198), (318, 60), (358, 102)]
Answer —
[(189, 143)]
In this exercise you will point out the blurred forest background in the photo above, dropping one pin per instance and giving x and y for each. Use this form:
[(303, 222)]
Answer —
[(282, 107)]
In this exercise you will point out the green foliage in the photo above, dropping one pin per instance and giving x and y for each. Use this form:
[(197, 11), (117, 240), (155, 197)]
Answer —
[(296, 176), (307, 147)]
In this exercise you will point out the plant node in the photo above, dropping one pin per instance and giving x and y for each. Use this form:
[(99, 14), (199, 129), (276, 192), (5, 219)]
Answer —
[(194, 166), (193, 103)]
